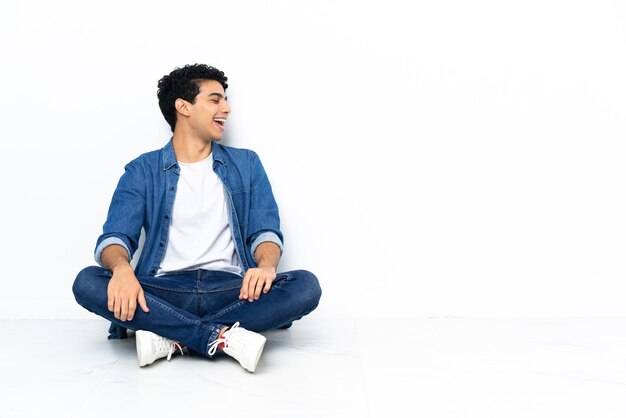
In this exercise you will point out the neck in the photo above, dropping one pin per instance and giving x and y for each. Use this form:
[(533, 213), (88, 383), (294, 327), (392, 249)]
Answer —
[(189, 148)]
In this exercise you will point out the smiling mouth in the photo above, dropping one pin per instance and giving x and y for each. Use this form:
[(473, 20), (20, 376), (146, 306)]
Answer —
[(220, 121)]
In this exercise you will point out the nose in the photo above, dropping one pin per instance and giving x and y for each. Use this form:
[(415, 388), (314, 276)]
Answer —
[(225, 107)]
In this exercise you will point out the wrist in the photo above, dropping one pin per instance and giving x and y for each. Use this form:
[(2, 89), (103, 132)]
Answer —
[(121, 268), (268, 267)]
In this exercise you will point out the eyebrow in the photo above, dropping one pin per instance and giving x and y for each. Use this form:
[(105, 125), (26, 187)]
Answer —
[(220, 95)]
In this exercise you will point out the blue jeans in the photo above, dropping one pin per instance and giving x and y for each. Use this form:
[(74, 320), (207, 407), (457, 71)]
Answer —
[(192, 307)]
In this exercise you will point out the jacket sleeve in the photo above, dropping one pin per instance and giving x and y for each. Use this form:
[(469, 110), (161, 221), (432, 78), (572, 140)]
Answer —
[(126, 214), (264, 220)]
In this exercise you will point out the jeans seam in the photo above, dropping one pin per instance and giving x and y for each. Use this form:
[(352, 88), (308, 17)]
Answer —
[(171, 289), (226, 310), (226, 289), (221, 289), (179, 316), (281, 281)]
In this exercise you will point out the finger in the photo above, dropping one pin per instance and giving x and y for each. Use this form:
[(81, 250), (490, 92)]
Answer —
[(132, 306), (110, 299), (110, 303), (124, 314), (117, 307), (252, 287), (259, 287), (268, 286), (142, 301), (243, 294)]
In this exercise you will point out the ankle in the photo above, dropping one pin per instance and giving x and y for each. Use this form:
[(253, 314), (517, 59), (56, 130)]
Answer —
[(219, 336)]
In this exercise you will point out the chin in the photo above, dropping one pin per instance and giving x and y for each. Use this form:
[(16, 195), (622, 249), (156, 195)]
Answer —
[(211, 138), (215, 137)]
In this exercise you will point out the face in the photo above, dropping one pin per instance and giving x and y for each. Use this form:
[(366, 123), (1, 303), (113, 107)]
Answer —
[(207, 116)]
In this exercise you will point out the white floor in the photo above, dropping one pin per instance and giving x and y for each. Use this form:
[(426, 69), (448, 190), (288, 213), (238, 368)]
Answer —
[(428, 367)]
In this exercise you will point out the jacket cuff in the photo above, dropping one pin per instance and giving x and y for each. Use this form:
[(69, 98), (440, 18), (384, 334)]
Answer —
[(105, 243), (267, 236)]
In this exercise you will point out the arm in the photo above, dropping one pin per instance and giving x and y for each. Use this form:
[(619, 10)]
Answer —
[(119, 241), (265, 239), (124, 291), (260, 279), (264, 219), (126, 214)]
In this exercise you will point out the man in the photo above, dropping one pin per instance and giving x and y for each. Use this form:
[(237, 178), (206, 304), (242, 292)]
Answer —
[(206, 278)]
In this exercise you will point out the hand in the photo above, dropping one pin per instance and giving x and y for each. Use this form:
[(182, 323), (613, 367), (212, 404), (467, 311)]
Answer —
[(257, 280), (124, 292)]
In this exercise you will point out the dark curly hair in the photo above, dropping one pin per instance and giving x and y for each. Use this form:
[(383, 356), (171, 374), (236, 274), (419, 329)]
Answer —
[(184, 83)]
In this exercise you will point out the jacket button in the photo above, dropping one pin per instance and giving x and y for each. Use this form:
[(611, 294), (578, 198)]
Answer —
[(161, 244)]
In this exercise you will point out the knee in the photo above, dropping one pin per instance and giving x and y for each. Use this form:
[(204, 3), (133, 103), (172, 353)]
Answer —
[(311, 288), (87, 283)]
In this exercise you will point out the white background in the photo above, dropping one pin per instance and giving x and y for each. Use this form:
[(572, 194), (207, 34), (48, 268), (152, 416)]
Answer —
[(446, 158)]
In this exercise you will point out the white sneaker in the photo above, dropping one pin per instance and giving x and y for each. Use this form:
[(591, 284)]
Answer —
[(242, 345), (151, 347)]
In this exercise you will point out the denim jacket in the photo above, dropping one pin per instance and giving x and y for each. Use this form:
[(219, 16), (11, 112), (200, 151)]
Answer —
[(144, 198)]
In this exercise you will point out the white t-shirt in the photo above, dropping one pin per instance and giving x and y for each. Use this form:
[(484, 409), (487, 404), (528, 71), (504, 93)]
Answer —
[(199, 235)]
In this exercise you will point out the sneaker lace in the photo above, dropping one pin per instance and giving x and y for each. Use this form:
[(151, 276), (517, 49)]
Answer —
[(222, 339), (165, 345)]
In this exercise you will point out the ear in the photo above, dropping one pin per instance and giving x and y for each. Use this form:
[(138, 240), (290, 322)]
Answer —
[(182, 106)]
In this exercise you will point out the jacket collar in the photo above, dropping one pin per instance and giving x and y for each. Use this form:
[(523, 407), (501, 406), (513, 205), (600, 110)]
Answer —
[(169, 158), (218, 153)]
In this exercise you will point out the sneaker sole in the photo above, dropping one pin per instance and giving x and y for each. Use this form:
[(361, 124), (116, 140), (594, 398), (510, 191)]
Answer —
[(258, 357), (141, 357)]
